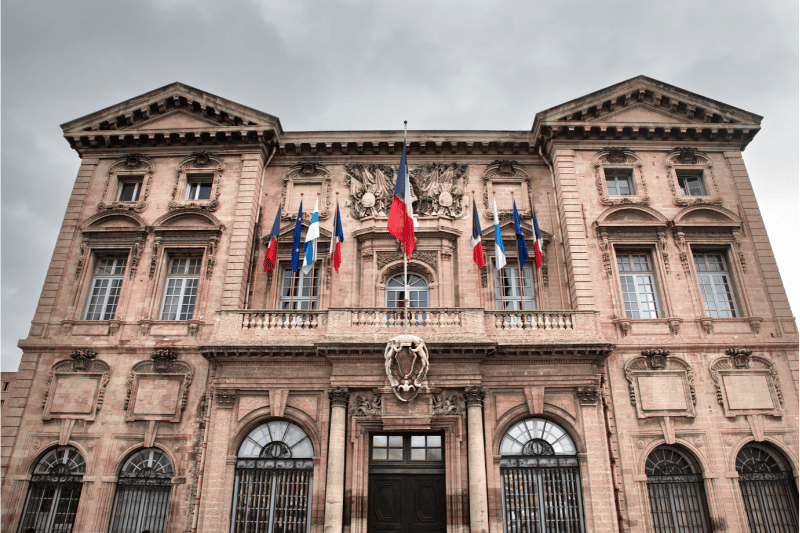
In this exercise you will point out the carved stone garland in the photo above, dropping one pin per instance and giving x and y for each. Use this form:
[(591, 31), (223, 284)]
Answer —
[(307, 172), (82, 361), (132, 165), (200, 162), (614, 156), (503, 169)]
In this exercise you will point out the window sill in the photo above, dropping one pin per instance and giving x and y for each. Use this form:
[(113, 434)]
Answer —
[(698, 200), (90, 328), (206, 205), (137, 206), (648, 326), (170, 328), (743, 325)]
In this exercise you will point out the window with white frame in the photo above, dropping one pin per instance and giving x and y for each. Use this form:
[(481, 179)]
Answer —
[(416, 289), (510, 300), (301, 297), (106, 285), (129, 189), (691, 183), (618, 182), (199, 187), (180, 288), (715, 285), (638, 285)]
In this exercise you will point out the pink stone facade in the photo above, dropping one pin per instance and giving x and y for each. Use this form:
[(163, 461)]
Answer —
[(194, 387)]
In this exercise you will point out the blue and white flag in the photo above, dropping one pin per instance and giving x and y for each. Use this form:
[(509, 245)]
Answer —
[(499, 251), (311, 240)]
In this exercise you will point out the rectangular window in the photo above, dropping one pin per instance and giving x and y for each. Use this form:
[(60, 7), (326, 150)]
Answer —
[(691, 184), (510, 288), (407, 448), (638, 285), (106, 285), (715, 285), (302, 286), (199, 188), (618, 182), (180, 289), (129, 190)]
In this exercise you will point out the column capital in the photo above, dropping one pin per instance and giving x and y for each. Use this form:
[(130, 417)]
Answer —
[(474, 395), (339, 396)]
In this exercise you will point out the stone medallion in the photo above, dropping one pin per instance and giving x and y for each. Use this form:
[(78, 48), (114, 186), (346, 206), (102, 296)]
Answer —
[(406, 363)]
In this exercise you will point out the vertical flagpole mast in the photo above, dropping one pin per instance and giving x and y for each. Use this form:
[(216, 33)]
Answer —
[(291, 299), (405, 255), (519, 268), (480, 288), (313, 264), (499, 270), (331, 252)]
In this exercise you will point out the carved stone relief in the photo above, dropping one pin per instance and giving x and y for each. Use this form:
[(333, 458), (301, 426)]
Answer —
[(446, 405), (406, 363), (367, 407), (427, 256)]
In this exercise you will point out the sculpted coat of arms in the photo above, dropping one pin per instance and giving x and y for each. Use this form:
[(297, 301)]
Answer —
[(406, 363)]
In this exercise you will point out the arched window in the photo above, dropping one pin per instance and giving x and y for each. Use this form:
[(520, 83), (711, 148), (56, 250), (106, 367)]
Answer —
[(416, 289), (675, 487), (272, 487), (54, 492), (143, 488), (540, 479), (768, 490)]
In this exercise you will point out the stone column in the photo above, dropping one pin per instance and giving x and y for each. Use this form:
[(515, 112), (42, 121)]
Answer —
[(478, 502), (334, 490)]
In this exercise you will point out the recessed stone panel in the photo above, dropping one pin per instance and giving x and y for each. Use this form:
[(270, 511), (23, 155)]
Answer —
[(157, 395), (748, 392), (662, 393), (74, 394), (248, 404)]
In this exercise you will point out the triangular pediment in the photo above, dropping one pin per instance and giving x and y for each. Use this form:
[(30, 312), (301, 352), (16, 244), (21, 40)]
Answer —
[(641, 114), (178, 107), (178, 119), (644, 100)]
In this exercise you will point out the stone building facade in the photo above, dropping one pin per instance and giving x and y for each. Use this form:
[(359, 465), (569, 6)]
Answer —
[(645, 378)]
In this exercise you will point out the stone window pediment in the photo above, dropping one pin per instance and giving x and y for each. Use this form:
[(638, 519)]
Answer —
[(661, 385), (690, 178), (197, 168), (306, 180), (134, 169), (506, 177), (613, 162)]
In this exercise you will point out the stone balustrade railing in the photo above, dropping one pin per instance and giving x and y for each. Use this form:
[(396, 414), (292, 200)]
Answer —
[(415, 318), (373, 324)]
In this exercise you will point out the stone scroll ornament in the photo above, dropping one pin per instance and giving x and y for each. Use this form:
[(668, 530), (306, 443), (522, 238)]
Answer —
[(406, 362)]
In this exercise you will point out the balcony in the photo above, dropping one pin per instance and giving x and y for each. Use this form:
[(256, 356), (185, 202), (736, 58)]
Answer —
[(377, 324)]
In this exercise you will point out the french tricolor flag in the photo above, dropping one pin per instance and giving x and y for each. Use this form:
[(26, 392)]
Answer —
[(477, 245), (401, 216), (537, 241), (337, 236), (270, 260)]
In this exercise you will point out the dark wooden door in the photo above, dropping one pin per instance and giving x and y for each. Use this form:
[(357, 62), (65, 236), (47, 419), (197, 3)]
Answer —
[(406, 503)]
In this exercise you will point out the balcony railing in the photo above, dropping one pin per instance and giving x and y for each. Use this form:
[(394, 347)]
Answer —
[(281, 319), (530, 320), (413, 318)]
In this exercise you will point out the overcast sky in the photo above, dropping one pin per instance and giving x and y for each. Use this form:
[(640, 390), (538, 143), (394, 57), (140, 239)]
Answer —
[(369, 65)]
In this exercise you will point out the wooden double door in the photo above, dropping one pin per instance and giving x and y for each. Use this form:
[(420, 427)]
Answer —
[(406, 485)]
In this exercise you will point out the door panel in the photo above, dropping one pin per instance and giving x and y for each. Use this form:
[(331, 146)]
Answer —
[(406, 503)]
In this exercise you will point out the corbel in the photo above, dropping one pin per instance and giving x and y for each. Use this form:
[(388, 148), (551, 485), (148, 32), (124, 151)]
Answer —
[(756, 426), (535, 397), (668, 429), (150, 434), (67, 425), (277, 401)]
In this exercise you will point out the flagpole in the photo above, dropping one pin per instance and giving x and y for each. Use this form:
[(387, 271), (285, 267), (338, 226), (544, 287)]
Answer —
[(499, 270), (407, 319), (331, 252), (291, 298), (480, 288)]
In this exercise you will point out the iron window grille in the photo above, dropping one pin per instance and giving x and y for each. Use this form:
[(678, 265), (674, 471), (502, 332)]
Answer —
[(540, 479), (54, 492), (180, 289), (638, 286), (715, 285), (143, 489), (675, 491), (768, 490), (273, 480), (106, 286)]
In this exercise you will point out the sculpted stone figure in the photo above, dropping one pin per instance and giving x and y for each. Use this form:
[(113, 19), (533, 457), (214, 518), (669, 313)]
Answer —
[(366, 407), (446, 405), (371, 189), (406, 363)]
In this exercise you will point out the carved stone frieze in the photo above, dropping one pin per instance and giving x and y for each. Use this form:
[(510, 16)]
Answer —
[(440, 189), (446, 405), (427, 256), (367, 407)]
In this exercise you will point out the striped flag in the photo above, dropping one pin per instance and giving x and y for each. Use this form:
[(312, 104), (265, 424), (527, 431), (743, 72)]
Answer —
[(477, 245), (537, 240), (337, 237), (310, 247), (270, 260), (401, 215)]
